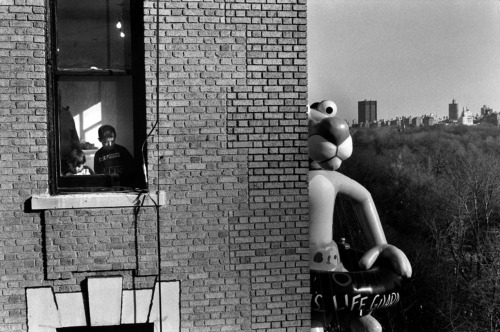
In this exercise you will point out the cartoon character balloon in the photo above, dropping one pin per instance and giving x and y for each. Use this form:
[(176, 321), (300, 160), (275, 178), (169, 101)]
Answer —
[(345, 286)]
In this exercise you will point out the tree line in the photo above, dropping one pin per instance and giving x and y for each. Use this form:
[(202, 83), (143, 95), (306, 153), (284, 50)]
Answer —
[(437, 190)]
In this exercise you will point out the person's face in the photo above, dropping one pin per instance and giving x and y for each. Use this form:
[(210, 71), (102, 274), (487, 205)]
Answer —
[(79, 168), (108, 141), (76, 168)]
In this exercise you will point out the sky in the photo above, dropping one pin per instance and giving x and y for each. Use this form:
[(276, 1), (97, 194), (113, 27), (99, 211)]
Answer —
[(412, 56)]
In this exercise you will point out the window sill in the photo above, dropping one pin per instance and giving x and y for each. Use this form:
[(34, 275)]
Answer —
[(94, 201)]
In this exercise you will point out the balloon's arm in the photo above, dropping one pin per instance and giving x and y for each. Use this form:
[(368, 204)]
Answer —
[(395, 256), (365, 210), (372, 229)]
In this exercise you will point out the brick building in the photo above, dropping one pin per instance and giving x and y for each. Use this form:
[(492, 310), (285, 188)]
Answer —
[(227, 161)]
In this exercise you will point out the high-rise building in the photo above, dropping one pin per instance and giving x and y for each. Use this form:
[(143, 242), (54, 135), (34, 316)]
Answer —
[(485, 110), (367, 111), (453, 111)]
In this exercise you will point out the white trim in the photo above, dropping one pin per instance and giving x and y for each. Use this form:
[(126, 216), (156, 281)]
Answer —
[(42, 310), (105, 297), (100, 200), (135, 305), (71, 309)]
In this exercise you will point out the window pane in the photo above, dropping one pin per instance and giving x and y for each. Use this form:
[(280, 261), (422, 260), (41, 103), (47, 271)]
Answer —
[(93, 34), (86, 103)]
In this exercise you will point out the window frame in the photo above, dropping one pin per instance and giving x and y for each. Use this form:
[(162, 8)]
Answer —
[(137, 74)]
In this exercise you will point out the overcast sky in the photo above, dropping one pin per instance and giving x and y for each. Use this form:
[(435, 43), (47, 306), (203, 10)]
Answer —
[(412, 56)]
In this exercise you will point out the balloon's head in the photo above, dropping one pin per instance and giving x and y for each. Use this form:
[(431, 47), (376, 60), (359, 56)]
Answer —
[(327, 108), (329, 142)]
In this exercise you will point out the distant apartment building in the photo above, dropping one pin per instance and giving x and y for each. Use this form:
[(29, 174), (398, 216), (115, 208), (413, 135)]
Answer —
[(466, 118), (416, 121), (367, 111), (485, 110), (492, 119), (453, 111), (395, 122), (406, 121), (428, 120)]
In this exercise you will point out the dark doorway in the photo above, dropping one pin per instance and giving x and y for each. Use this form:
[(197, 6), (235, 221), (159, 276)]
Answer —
[(143, 327)]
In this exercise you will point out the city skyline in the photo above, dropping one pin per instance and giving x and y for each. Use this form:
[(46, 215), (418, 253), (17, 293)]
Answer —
[(451, 115), (413, 57)]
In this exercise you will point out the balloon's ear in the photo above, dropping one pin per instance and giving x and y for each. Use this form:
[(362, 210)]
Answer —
[(314, 106)]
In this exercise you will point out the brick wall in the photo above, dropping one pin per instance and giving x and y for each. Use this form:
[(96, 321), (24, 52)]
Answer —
[(229, 152)]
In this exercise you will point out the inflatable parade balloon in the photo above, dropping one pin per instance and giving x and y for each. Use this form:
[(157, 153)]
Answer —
[(346, 285)]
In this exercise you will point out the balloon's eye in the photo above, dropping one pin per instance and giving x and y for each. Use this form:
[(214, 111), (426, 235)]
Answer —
[(329, 110)]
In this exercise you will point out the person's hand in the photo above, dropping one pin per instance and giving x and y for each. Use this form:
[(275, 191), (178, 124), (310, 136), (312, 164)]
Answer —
[(396, 257)]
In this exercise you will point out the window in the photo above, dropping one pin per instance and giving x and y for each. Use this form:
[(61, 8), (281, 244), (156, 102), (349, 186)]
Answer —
[(96, 78)]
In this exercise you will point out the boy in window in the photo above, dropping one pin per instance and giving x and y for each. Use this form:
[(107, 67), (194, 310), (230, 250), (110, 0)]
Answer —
[(112, 158)]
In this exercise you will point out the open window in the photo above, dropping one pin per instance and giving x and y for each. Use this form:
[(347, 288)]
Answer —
[(96, 78)]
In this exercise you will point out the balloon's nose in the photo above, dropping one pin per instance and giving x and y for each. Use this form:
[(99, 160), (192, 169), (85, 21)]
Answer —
[(334, 130)]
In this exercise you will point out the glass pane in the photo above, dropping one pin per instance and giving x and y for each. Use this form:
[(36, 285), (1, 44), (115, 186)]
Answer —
[(87, 103), (93, 34)]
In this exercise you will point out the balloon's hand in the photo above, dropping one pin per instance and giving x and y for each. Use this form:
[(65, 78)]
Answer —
[(393, 255)]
